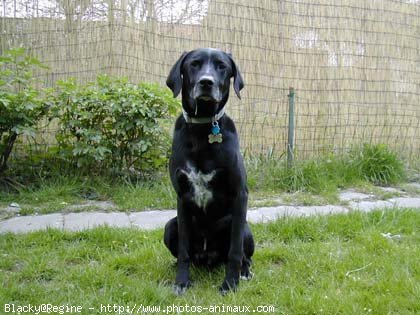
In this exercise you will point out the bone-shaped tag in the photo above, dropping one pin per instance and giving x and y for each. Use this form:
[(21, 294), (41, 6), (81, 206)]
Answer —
[(215, 138)]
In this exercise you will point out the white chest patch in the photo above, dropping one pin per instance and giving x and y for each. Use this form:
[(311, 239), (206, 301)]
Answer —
[(202, 195)]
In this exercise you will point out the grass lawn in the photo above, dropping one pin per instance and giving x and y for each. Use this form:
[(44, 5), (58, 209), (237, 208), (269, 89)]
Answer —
[(339, 264)]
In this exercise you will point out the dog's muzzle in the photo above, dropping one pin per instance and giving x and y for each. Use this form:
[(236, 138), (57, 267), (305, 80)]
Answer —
[(206, 90)]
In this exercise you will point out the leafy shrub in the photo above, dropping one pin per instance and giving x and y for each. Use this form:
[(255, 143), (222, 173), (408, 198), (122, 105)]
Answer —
[(113, 124), (378, 164), (21, 105)]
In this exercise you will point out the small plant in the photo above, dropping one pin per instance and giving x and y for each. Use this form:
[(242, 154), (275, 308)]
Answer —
[(113, 124), (21, 105), (378, 164), (373, 163)]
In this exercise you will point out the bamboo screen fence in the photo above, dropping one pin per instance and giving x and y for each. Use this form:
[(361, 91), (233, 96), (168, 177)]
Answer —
[(354, 64)]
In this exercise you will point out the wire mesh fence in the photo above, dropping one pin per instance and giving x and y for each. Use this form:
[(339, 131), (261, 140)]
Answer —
[(354, 64)]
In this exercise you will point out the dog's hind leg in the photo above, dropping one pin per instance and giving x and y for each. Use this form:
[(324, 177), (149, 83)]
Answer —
[(170, 237), (249, 247)]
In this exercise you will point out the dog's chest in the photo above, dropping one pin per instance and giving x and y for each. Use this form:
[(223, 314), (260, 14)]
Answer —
[(202, 193)]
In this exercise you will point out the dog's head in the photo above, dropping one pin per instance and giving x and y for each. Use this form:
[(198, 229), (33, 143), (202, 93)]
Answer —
[(204, 77)]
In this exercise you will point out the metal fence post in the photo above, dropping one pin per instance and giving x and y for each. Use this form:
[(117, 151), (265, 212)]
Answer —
[(291, 127)]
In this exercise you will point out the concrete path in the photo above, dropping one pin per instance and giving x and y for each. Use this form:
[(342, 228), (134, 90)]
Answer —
[(149, 220)]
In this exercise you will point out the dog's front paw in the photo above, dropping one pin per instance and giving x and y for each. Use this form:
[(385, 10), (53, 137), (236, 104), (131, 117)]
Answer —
[(180, 288), (246, 274), (229, 285)]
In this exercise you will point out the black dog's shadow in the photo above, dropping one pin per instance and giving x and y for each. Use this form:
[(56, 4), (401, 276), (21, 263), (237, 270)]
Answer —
[(200, 273)]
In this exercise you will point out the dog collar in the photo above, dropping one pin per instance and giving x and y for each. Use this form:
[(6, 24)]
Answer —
[(215, 135), (202, 120)]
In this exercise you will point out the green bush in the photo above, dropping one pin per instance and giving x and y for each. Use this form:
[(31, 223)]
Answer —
[(377, 164), (21, 104), (112, 124)]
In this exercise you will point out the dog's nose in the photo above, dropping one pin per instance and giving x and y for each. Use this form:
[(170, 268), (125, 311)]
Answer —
[(206, 81)]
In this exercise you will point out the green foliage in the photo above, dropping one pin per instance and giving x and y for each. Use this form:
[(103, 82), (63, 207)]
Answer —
[(372, 163), (21, 105), (378, 164), (113, 124), (315, 176)]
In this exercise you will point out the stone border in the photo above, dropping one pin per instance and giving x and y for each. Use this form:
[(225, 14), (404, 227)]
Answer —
[(150, 220)]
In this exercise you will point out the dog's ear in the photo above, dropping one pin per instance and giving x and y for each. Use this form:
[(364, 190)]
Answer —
[(238, 82), (174, 80)]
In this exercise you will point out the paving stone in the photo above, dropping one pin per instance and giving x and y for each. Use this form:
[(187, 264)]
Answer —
[(32, 223), (367, 206), (392, 190), (320, 210), (8, 212), (406, 202), (414, 185), (349, 195), (268, 214), (91, 204), (149, 220), (87, 220)]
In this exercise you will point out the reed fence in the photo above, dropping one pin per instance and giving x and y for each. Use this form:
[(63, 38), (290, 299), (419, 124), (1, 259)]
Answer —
[(354, 64)]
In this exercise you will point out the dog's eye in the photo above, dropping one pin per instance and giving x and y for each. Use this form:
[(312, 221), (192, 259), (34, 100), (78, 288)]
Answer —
[(221, 66), (195, 63)]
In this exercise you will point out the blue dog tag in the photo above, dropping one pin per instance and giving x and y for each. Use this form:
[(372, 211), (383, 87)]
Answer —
[(215, 135), (215, 129)]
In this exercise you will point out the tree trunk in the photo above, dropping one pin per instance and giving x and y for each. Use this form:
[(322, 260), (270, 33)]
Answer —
[(5, 155)]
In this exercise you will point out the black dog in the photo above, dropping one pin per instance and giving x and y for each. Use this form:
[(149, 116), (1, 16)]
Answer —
[(207, 172)]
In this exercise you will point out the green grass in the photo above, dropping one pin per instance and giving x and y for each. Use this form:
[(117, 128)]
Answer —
[(54, 195), (314, 182), (337, 264), (146, 195), (374, 164)]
